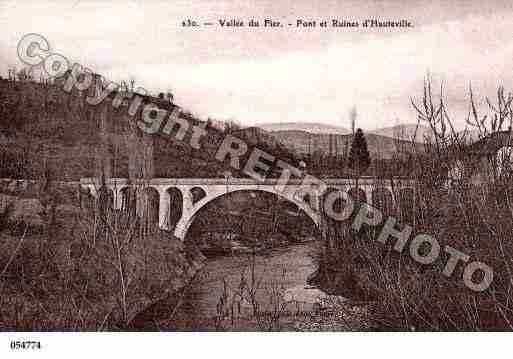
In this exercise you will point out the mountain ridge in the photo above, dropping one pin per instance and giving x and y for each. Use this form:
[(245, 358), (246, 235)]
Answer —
[(303, 142), (406, 132), (312, 127)]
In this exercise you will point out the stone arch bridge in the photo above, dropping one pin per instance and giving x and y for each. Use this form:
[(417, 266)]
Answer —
[(179, 200)]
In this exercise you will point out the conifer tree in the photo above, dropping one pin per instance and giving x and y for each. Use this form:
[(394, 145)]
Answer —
[(359, 157)]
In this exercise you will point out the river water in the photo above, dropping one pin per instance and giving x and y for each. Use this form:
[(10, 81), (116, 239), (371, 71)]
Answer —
[(265, 291)]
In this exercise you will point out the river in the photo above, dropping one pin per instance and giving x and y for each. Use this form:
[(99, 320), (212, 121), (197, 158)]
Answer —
[(231, 289)]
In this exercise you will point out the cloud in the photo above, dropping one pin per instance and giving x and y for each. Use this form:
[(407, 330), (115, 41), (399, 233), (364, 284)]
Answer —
[(378, 74), (257, 76)]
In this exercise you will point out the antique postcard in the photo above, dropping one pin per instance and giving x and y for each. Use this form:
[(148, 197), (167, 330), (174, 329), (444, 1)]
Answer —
[(254, 166)]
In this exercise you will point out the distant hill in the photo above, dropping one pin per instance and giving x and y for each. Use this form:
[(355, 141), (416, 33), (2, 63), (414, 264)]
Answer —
[(421, 133), (302, 141), (403, 131), (470, 135), (44, 129), (255, 135), (406, 132), (307, 127)]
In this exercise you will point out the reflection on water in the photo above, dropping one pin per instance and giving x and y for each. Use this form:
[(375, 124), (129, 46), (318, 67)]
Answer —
[(231, 289)]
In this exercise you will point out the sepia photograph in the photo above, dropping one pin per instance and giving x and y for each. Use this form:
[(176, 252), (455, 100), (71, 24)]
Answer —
[(176, 167)]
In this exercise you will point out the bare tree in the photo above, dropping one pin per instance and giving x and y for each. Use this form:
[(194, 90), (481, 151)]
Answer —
[(501, 113)]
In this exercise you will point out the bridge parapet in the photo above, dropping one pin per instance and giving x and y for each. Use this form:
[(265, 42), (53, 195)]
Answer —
[(214, 181)]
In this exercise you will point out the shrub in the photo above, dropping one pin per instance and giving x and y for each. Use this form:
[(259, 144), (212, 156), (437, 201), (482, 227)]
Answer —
[(476, 217), (90, 270)]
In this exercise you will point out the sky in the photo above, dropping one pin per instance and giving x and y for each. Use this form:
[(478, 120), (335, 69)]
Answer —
[(289, 74)]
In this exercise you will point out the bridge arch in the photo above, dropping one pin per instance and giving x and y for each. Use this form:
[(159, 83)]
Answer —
[(406, 204), (188, 216), (106, 198), (174, 209), (128, 200), (383, 199), (358, 194), (198, 194), (149, 211)]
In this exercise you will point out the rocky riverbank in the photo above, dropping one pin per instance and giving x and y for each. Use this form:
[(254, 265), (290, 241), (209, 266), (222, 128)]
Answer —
[(237, 244)]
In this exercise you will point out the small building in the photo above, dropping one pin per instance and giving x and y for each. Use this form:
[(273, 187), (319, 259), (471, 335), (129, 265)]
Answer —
[(485, 160)]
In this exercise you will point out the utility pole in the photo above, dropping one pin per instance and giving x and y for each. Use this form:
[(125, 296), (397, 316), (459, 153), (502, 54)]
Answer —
[(352, 117)]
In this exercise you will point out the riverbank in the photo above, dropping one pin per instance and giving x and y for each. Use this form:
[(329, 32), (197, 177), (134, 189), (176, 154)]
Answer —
[(244, 246), (267, 291)]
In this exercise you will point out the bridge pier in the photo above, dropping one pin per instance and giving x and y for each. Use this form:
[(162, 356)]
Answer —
[(118, 197), (368, 194), (164, 205)]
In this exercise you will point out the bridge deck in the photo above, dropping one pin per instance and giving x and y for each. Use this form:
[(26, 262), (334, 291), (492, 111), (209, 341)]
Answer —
[(238, 181)]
